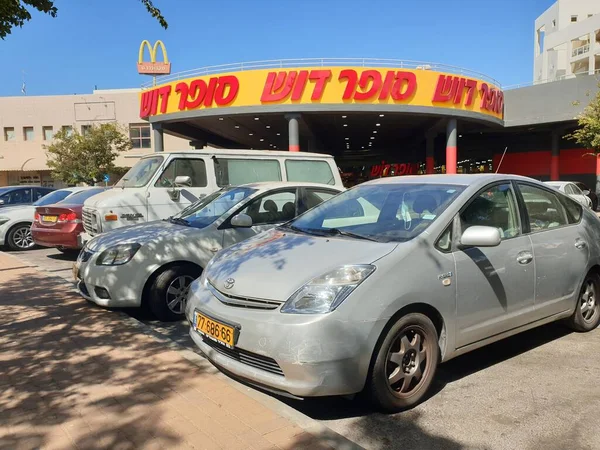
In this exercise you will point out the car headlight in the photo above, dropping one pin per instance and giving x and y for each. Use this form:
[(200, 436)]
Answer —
[(117, 255), (3, 220), (325, 293)]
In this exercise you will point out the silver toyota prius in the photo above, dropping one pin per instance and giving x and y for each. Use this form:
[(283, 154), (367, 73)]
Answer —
[(372, 289)]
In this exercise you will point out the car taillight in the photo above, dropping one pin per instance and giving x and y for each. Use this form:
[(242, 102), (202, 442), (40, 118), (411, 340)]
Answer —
[(71, 217), (36, 218)]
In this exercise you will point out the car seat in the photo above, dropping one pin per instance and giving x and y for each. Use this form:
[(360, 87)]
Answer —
[(271, 211), (424, 202), (289, 211)]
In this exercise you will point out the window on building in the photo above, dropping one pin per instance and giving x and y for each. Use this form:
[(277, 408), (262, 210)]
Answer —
[(590, 15), (573, 18), (68, 129), (9, 134), (28, 134), (48, 133), (139, 133), (85, 129)]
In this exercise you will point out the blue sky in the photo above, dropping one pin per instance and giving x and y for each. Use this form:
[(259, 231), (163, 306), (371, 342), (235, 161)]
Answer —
[(95, 42)]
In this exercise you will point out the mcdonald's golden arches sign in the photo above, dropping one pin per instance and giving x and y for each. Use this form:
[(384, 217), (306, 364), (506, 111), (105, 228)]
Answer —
[(153, 67)]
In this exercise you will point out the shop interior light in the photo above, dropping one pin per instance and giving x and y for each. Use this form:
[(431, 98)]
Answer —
[(377, 124), (250, 134), (374, 131), (372, 137), (261, 140), (278, 134), (268, 126), (347, 138), (381, 115), (237, 126), (256, 118), (345, 124), (220, 118), (343, 117)]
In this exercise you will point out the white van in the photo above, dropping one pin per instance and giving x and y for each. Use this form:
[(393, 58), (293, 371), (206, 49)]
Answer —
[(160, 185)]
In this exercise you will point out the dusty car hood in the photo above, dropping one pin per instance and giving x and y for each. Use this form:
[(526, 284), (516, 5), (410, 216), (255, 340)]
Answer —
[(275, 264), (143, 233)]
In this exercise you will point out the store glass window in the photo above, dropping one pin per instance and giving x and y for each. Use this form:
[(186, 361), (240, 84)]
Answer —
[(68, 129), (9, 133), (28, 134), (48, 133)]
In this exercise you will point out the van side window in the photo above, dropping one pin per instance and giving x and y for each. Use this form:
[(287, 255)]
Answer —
[(186, 167), (233, 172), (311, 171)]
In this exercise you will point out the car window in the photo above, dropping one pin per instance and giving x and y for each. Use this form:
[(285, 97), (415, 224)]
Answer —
[(52, 197), (444, 243), (18, 197), (80, 197), (494, 207), (314, 197), (141, 173), (394, 212), (184, 167), (576, 190), (208, 209), (242, 171), (39, 193), (543, 207), (573, 208), (309, 171), (276, 207), (569, 189)]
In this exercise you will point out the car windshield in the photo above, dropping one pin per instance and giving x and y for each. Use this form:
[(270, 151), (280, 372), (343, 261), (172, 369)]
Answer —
[(141, 173), (80, 197), (53, 197), (380, 212), (208, 209)]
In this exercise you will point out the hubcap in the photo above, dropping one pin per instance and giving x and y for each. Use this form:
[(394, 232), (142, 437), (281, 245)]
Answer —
[(406, 361), (177, 293), (589, 304), (22, 238)]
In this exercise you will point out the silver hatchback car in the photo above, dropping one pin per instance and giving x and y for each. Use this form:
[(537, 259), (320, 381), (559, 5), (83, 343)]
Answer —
[(375, 287)]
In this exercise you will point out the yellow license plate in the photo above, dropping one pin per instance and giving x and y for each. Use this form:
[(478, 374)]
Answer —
[(51, 219), (214, 330)]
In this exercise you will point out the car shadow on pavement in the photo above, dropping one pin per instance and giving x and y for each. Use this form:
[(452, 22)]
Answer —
[(73, 374), (63, 256)]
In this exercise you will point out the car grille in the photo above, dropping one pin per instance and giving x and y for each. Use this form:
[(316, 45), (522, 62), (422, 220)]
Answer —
[(248, 358), (243, 302), (90, 221)]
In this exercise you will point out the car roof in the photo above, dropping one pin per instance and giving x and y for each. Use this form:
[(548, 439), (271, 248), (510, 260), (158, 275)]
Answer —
[(268, 185), (241, 152), (559, 183), (458, 179)]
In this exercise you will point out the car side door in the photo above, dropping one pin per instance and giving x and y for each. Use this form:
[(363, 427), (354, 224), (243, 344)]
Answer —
[(495, 285), (267, 211), (560, 246), (313, 196)]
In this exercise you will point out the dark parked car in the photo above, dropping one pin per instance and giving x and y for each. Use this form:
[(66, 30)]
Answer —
[(21, 195), (589, 193)]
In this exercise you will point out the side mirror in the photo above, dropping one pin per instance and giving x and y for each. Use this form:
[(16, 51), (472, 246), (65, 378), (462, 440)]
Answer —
[(478, 236), (241, 221), (183, 181)]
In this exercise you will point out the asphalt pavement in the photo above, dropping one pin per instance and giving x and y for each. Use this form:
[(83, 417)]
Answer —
[(535, 390)]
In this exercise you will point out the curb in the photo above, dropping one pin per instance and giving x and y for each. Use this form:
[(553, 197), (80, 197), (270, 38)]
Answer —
[(305, 422)]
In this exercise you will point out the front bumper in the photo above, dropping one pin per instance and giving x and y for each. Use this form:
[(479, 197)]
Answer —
[(121, 289), (319, 355)]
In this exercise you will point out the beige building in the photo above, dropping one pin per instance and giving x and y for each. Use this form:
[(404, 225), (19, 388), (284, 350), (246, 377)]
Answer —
[(29, 123)]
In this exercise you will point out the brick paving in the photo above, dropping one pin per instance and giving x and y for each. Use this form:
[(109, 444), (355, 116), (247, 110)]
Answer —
[(74, 376)]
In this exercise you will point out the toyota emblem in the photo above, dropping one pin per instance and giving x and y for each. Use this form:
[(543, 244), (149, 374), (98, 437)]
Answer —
[(229, 282)]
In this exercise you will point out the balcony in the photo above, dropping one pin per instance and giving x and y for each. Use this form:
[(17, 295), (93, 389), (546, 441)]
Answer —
[(580, 50)]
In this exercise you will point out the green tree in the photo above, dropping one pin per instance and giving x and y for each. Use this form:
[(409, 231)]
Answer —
[(588, 133), (78, 158), (14, 13)]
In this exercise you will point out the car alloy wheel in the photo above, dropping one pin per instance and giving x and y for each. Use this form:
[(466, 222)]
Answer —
[(22, 238), (406, 361), (177, 293), (588, 302)]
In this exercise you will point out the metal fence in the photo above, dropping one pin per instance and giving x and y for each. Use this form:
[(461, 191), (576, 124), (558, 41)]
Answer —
[(550, 80), (321, 62)]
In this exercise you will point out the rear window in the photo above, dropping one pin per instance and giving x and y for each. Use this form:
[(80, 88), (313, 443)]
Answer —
[(80, 197), (309, 171), (241, 171)]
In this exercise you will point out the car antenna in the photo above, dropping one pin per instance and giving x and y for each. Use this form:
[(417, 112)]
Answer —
[(501, 159)]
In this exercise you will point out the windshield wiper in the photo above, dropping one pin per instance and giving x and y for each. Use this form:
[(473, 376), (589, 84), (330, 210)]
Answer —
[(338, 232), (304, 230), (178, 221)]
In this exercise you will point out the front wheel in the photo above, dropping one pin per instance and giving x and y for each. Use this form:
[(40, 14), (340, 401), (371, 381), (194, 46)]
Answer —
[(586, 316), (168, 293), (405, 364), (20, 238)]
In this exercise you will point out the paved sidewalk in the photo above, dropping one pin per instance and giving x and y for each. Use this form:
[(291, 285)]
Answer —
[(76, 376)]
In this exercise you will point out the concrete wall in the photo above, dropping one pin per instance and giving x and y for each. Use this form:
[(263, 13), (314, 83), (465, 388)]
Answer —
[(548, 102), (120, 106)]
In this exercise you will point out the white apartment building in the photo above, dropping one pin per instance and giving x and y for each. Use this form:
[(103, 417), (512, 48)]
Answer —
[(567, 40), (28, 123)]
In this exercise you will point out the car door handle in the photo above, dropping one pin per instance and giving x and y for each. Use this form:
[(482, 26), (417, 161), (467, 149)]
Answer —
[(580, 243), (524, 258), (214, 249)]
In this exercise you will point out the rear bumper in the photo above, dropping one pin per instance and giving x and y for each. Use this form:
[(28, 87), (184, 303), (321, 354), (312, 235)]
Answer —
[(66, 237)]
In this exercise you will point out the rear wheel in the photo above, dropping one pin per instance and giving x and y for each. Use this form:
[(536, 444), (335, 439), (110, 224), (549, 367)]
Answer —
[(20, 238), (586, 316), (168, 293), (405, 364)]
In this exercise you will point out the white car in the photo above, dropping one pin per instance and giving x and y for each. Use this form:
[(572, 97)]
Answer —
[(15, 221), (154, 264), (569, 188)]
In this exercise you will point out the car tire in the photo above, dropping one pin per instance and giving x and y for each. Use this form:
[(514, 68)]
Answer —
[(402, 358), (19, 237), (167, 295), (586, 316)]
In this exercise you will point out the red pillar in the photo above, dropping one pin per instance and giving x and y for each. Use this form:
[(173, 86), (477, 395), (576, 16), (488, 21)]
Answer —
[(429, 165), (429, 153), (451, 147)]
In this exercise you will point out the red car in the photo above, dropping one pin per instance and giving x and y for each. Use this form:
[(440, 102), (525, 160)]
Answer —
[(59, 225)]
